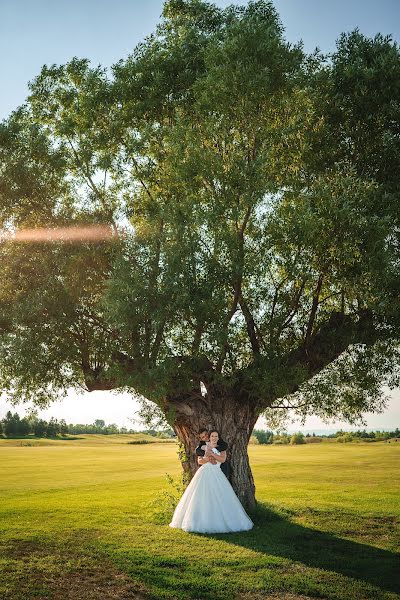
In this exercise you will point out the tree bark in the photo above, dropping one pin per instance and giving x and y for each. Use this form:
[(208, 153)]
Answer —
[(234, 421)]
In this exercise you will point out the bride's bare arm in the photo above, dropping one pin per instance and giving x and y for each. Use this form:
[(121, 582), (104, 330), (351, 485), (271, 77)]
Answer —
[(220, 457), (202, 460)]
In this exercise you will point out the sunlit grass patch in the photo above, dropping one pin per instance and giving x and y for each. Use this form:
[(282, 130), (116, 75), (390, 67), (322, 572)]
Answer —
[(78, 517)]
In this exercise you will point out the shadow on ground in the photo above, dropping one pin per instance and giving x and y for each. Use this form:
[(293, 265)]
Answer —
[(289, 561), (275, 534)]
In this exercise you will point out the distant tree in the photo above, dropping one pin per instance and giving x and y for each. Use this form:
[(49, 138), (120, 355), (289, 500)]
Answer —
[(382, 435), (32, 420), (264, 437), (162, 435), (40, 428), (170, 432), (5, 422), (282, 438), (297, 438), (99, 423), (11, 424), (344, 437), (53, 428), (152, 432), (63, 427), (24, 427), (113, 428)]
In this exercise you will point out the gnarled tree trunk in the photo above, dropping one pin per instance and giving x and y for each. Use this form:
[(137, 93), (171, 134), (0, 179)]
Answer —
[(234, 420)]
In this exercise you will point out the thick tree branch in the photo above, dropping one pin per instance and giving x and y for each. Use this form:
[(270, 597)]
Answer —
[(314, 308), (333, 338), (85, 171), (295, 306), (237, 284), (199, 329), (236, 295), (251, 326), (157, 341)]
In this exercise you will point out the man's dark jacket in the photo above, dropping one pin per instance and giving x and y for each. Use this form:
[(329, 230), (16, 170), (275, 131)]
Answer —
[(221, 446)]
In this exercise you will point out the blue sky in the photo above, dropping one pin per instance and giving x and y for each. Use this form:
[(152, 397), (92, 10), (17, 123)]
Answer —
[(34, 33)]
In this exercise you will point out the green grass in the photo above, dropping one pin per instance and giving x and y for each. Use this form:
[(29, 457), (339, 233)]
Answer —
[(78, 520), (82, 439)]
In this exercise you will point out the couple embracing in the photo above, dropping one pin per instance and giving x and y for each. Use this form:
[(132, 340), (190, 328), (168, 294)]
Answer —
[(209, 504)]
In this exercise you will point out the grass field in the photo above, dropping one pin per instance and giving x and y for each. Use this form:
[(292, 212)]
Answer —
[(82, 439), (81, 519)]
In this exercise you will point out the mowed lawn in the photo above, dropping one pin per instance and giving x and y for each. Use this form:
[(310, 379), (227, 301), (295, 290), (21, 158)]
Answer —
[(82, 519)]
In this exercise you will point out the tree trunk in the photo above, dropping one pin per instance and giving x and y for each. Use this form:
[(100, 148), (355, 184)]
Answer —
[(235, 422)]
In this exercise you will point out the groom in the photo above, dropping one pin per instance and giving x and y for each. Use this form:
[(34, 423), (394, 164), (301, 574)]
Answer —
[(204, 437)]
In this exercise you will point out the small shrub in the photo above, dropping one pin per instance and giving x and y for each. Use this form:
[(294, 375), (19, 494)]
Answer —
[(297, 438), (344, 438), (166, 501), (253, 440), (280, 438)]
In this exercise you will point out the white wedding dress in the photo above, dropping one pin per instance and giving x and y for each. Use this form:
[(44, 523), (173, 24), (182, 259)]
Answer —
[(209, 504)]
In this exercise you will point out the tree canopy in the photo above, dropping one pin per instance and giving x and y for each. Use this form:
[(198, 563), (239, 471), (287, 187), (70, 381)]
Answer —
[(252, 192)]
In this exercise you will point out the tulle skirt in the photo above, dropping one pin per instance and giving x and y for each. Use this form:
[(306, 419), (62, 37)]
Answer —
[(209, 505)]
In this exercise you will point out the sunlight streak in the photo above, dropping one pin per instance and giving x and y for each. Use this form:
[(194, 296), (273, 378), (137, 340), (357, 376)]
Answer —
[(73, 233)]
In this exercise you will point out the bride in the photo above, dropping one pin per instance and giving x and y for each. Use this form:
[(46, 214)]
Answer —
[(209, 504)]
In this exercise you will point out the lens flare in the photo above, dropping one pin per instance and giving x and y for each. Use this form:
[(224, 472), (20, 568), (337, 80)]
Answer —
[(73, 233)]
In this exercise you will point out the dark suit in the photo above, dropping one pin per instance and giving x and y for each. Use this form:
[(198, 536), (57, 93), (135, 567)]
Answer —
[(225, 467)]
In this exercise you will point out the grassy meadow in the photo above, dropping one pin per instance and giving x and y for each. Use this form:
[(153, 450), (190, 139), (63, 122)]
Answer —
[(84, 518)]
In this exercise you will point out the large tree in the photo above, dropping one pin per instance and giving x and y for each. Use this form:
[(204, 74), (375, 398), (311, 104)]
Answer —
[(252, 195)]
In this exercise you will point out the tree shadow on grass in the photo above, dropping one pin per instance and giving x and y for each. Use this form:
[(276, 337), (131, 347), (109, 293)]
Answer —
[(275, 534), (344, 568)]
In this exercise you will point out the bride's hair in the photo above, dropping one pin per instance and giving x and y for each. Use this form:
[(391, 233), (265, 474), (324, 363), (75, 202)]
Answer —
[(220, 440)]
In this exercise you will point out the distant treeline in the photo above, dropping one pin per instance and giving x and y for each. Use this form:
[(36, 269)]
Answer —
[(13, 425), (261, 436)]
